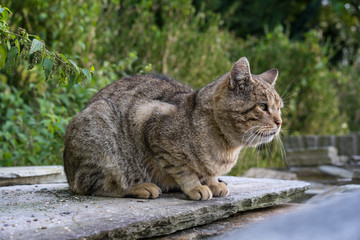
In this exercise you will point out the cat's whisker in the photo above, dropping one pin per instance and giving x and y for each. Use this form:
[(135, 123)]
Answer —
[(254, 139), (285, 98), (258, 132), (282, 149), (287, 87), (251, 139), (247, 141)]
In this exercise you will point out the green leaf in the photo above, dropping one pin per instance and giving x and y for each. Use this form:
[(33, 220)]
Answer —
[(36, 45), (63, 57), (48, 64), (11, 59), (71, 81), (37, 37), (3, 54), (17, 44), (4, 14), (5, 8), (74, 64), (87, 74)]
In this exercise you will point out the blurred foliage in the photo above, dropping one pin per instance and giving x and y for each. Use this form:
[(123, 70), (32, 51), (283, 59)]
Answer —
[(314, 44), (339, 21), (249, 17), (306, 81), (170, 36)]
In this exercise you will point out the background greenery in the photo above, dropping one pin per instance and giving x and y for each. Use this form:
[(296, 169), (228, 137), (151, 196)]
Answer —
[(314, 44)]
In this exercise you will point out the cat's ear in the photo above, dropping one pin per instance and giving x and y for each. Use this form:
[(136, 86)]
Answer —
[(270, 76), (240, 72)]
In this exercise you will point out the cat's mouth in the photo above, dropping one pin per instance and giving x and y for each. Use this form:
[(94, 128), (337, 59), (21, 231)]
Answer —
[(267, 134)]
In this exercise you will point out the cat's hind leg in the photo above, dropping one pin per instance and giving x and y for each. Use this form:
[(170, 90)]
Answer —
[(90, 181), (143, 190)]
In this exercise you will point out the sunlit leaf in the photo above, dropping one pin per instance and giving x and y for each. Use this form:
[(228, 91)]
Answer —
[(63, 57), (74, 64), (36, 45), (87, 74)]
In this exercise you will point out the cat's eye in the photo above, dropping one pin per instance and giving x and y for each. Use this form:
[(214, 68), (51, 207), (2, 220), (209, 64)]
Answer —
[(263, 106)]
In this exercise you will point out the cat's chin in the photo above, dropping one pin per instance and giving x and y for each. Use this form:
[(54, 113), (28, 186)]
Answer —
[(264, 138)]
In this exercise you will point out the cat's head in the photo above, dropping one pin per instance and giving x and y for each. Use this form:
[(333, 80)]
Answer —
[(248, 106)]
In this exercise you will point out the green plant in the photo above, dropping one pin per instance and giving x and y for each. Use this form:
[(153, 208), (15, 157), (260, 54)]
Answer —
[(170, 35), (21, 46)]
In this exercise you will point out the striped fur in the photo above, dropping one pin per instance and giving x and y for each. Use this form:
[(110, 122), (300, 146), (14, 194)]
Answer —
[(148, 134)]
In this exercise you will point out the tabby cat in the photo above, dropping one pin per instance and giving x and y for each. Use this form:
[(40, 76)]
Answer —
[(147, 134)]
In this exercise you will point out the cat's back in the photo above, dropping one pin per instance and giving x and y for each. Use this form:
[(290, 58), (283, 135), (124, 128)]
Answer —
[(145, 87)]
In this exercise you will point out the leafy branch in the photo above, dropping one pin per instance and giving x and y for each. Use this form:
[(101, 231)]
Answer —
[(17, 47)]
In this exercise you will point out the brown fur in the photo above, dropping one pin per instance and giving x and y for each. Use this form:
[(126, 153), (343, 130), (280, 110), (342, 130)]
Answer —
[(145, 134)]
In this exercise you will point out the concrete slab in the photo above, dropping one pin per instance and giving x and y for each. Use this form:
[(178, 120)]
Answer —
[(49, 211), (31, 175), (235, 222)]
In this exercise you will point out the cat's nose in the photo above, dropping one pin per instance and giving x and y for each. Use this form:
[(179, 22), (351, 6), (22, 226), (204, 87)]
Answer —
[(278, 122)]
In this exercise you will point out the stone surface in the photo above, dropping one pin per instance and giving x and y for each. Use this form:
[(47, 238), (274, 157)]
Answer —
[(312, 157), (269, 173), (31, 175), (311, 141), (356, 177), (336, 171), (346, 145), (357, 136), (317, 188), (323, 174), (326, 141), (294, 142), (237, 221), (49, 211), (332, 192), (334, 219)]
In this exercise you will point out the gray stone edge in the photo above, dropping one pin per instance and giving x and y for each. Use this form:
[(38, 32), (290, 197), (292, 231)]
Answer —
[(168, 225)]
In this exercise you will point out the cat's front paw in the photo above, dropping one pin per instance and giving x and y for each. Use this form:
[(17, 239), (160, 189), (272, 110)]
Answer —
[(202, 192), (219, 189), (144, 190)]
